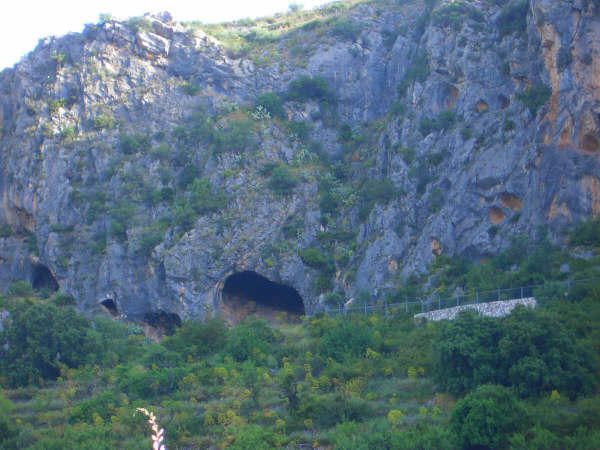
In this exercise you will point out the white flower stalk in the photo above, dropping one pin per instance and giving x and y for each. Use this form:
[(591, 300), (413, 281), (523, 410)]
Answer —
[(158, 434)]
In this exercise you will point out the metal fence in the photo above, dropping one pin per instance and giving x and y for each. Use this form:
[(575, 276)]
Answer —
[(568, 289)]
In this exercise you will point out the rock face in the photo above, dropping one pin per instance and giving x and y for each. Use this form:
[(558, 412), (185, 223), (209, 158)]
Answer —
[(141, 162)]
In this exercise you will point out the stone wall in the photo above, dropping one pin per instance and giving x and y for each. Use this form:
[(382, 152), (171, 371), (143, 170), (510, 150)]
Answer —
[(491, 309)]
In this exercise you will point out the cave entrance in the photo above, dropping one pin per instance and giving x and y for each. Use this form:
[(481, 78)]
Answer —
[(248, 293), (163, 322), (42, 279), (111, 306)]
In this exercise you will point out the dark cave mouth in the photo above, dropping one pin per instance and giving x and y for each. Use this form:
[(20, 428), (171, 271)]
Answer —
[(111, 306), (164, 321), (42, 279), (248, 293)]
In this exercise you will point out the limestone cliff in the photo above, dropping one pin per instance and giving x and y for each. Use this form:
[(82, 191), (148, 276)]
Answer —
[(337, 150)]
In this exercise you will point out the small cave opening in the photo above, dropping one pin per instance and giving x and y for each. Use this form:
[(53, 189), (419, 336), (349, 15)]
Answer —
[(248, 293), (42, 279), (163, 321), (111, 306)]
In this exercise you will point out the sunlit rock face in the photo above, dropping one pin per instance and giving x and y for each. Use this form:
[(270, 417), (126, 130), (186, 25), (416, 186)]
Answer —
[(136, 164)]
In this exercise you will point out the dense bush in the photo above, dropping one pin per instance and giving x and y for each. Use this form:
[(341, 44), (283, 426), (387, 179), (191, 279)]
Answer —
[(282, 180), (587, 233), (133, 143), (272, 102), (306, 88), (486, 418), (345, 29), (104, 121), (315, 258), (455, 14), (198, 339), (205, 198), (39, 339), (251, 339), (236, 135), (527, 350)]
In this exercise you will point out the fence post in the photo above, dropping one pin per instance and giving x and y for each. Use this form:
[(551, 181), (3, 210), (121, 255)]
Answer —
[(365, 309), (476, 296), (457, 300), (521, 291), (439, 302), (406, 304), (498, 294)]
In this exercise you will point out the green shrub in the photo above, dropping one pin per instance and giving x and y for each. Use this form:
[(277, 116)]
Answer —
[(486, 417), (20, 289), (305, 88), (283, 180), (63, 299), (55, 105), (344, 28), (205, 198), (345, 339), (528, 350), (586, 233), (237, 135), (133, 143), (535, 96), (139, 24), (250, 339), (149, 238), (104, 121), (454, 15), (198, 339), (272, 102), (299, 129), (189, 88), (40, 338), (255, 437), (315, 258), (68, 133)]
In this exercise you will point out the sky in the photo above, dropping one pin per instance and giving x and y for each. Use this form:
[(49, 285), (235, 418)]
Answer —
[(24, 22)]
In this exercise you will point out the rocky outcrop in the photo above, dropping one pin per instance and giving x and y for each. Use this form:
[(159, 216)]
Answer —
[(136, 164)]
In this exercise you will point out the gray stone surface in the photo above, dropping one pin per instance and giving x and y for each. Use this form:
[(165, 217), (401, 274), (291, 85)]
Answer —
[(491, 309), (498, 171)]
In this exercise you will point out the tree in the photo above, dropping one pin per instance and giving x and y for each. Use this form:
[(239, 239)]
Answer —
[(39, 339), (486, 417)]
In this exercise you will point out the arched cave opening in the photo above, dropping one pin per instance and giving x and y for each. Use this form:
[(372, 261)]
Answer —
[(42, 279), (248, 293), (165, 322), (111, 306)]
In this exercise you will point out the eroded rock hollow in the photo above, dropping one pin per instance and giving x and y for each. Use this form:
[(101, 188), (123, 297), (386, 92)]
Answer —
[(248, 293)]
